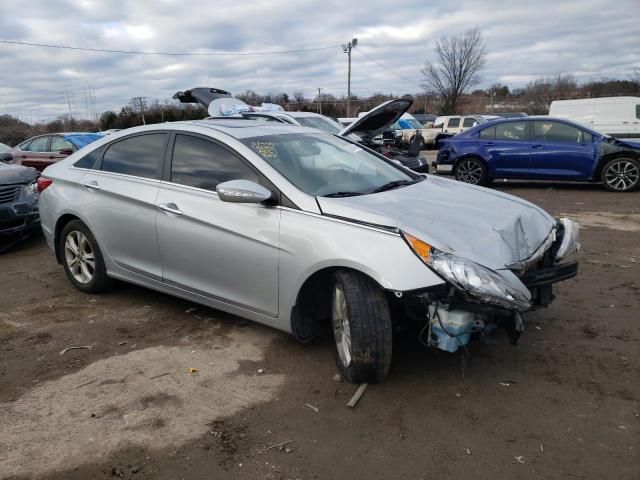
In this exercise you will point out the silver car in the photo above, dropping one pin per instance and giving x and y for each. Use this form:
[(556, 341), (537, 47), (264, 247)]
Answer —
[(304, 231)]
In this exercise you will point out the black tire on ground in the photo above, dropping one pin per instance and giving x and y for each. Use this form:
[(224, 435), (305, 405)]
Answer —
[(621, 174), (471, 170), (369, 322), (99, 281)]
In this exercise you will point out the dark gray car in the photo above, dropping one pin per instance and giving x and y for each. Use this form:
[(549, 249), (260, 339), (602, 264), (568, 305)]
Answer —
[(19, 217)]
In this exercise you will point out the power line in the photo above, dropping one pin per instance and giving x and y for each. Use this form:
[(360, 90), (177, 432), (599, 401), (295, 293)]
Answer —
[(387, 68), (172, 54)]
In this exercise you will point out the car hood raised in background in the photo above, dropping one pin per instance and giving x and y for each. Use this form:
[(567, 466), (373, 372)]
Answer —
[(488, 227), (11, 174), (379, 119)]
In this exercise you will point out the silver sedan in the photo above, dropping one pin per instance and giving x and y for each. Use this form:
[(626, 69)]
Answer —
[(303, 231)]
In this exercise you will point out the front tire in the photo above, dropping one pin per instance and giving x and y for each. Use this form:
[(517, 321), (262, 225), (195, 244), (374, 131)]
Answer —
[(82, 258), (621, 175), (361, 324), (471, 170)]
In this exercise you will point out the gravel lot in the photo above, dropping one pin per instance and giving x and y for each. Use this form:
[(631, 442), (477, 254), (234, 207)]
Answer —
[(563, 404)]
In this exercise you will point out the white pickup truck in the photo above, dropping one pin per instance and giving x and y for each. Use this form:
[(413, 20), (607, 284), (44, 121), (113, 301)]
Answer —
[(453, 124), (405, 130)]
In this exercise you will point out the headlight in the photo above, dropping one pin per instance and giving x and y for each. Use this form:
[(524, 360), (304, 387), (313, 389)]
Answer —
[(32, 188), (470, 277), (570, 245)]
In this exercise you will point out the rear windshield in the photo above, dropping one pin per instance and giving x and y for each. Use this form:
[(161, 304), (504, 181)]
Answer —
[(320, 123)]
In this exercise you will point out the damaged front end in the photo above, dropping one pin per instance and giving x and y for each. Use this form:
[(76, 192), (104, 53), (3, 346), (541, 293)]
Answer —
[(476, 300)]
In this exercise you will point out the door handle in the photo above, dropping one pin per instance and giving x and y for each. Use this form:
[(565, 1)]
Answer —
[(489, 144), (93, 185), (170, 207), (537, 146)]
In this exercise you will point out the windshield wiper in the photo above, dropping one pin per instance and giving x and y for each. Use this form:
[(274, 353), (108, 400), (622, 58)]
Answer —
[(342, 194), (394, 184)]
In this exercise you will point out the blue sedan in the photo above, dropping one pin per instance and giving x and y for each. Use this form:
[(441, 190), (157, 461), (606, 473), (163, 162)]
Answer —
[(540, 148)]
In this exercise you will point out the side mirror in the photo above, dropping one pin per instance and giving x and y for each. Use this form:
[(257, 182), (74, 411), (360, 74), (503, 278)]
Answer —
[(242, 191), (65, 151)]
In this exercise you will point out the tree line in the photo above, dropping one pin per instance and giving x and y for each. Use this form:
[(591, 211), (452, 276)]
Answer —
[(447, 89)]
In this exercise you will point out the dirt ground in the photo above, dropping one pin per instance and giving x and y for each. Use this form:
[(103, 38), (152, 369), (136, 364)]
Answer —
[(564, 404)]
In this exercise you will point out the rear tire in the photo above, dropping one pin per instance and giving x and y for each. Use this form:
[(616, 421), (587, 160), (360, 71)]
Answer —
[(361, 324), (82, 259), (471, 170), (621, 175)]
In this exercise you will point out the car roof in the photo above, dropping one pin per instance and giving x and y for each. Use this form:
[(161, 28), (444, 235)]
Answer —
[(243, 128), (496, 121)]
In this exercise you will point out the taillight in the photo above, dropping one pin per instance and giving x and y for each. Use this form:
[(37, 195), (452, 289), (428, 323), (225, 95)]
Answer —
[(43, 182)]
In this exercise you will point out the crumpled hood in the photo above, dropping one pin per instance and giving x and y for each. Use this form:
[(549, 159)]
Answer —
[(485, 226), (11, 174)]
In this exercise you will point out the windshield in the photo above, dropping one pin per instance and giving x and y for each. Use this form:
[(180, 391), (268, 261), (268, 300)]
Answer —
[(321, 123), (325, 165)]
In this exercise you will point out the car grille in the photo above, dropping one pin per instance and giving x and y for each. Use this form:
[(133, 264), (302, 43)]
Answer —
[(9, 193)]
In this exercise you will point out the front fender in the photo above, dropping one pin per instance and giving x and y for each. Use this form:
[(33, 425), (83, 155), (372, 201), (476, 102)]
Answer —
[(310, 243)]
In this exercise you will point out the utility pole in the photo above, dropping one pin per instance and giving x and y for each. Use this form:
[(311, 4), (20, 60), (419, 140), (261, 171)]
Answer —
[(347, 49), (320, 101)]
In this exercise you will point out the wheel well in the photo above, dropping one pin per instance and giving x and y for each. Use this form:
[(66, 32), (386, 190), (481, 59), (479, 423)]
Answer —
[(60, 224), (467, 157), (312, 311), (606, 159)]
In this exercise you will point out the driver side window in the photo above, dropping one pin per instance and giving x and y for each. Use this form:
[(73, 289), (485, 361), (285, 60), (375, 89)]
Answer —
[(203, 164), (556, 132)]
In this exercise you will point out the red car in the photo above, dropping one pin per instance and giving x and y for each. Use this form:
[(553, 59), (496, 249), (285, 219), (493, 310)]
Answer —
[(41, 151)]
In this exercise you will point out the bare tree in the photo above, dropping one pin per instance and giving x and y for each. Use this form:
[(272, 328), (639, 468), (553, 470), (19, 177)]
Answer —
[(460, 59), (541, 92)]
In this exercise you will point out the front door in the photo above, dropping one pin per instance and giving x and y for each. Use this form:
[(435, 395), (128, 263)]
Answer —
[(561, 151), (224, 251), (506, 147)]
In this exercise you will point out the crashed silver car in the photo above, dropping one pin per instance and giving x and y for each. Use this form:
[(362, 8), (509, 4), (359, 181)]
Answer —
[(304, 231)]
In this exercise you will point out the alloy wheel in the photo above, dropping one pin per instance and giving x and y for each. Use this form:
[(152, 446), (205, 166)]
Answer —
[(622, 175), (341, 327), (79, 257), (469, 171)]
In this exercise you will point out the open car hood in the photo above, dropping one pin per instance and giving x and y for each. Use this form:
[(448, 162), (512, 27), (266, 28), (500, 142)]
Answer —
[(11, 174), (379, 119), (491, 228)]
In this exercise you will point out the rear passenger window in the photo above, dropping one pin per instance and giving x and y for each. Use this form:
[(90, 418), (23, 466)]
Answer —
[(203, 164), (139, 156), (488, 133), (39, 144), (454, 122), (90, 160), (511, 131), (638, 112)]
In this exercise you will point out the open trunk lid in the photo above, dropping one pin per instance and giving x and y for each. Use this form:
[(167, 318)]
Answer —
[(379, 119)]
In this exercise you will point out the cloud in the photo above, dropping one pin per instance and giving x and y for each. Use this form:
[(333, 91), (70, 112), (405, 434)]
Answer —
[(588, 39)]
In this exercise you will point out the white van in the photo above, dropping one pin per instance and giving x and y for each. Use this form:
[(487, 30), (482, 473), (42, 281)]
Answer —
[(615, 116)]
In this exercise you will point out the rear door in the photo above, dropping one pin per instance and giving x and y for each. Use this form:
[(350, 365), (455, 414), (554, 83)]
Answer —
[(452, 125), (506, 148), (36, 154), (120, 201), (561, 151), (224, 251)]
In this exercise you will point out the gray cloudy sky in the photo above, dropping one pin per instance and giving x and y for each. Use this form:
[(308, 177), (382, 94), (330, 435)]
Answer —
[(591, 39)]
